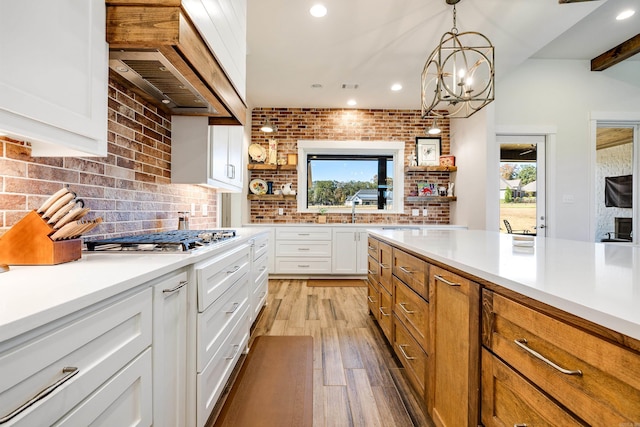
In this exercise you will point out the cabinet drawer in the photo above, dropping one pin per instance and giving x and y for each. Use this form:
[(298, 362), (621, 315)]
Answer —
[(215, 324), (384, 313), (385, 253), (303, 234), (373, 270), (413, 312), (304, 249), (124, 400), (260, 269), (510, 400), (260, 246), (373, 298), (219, 274), (412, 271), (605, 391), (303, 265), (372, 248), (211, 381), (259, 298), (411, 356), (98, 345)]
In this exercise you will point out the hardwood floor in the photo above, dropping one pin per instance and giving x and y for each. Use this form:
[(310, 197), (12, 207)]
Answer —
[(357, 379)]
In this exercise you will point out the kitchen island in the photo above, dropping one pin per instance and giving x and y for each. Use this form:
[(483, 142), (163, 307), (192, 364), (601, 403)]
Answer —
[(540, 332)]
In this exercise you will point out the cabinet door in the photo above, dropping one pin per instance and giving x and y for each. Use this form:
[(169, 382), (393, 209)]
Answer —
[(219, 144), (455, 313), (170, 351), (235, 155), (345, 251), (362, 252), (53, 77)]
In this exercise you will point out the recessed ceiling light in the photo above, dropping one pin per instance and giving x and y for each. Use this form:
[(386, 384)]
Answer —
[(396, 87), (351, 102), (626, 14), (316, 86), (318, 11)]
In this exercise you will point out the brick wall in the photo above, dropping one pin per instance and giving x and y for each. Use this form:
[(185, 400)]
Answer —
[(295, 124), (130, 188)]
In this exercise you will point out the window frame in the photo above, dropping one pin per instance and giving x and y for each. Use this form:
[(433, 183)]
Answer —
[(394, 149)]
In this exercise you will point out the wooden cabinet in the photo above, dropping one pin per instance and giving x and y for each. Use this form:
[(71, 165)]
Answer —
[(413, 311), (81, 361), (411, 355), (597, 381), (350, 251), (54, 93), (203, 154), (170, 350), (373, 298), (385, 257), (412, 271), (455, 315)]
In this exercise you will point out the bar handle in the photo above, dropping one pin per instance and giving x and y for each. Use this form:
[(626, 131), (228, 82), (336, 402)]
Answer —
[(182, 284), (402, 306), (406, 270), (522, 343), (406, 356), (443, 280)]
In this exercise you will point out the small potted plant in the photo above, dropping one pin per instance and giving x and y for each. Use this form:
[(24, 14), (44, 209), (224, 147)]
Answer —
[(322, 215)]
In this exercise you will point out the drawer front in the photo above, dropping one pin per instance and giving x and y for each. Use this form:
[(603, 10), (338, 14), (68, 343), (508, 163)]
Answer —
[(373, 298), (605, 391), (385, 313), (373, 270), (411, 356), (304, 249), (412, 271), (219, 274), (413, 312), (259, 298), (385, 253), (510, 400), (260, 269), (215, 324), (303, 234), (211, 382), (124, 400), (304, 265), (260, 246), (98, 345), (372, 248)]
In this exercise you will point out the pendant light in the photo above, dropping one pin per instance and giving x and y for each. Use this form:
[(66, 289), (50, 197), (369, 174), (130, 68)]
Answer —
[(267, 127), (434, 129), (458, 77)]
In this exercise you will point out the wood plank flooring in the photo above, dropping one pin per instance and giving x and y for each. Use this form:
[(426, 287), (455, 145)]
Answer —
[(357, 379)]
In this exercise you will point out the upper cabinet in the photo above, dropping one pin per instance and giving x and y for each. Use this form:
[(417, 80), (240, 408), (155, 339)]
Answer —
[(204, 154), (54, 76)]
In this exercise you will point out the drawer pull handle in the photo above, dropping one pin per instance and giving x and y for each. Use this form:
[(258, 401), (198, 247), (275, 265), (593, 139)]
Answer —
[(522, 343), (383, 313), (304, 234), (262, 245), (385, 267), (443, 280), (406, 356), (264, 267), (262, 295), (371, 248), (233, 270), (68, 372), (371, 300), (182, 284), (304, 249), (303, 265), (234, 308), (373, 273), (406, 270), (520, 425), (236, 348), (402, 306)]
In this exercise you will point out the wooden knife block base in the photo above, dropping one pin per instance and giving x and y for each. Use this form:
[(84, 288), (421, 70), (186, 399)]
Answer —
[(28, 243)]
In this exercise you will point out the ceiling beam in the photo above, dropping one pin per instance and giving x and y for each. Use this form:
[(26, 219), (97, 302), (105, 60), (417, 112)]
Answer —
[(571, 1), (617, 54)]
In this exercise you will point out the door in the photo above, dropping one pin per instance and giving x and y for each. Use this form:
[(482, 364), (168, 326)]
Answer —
[(616, 175), (522, 184)]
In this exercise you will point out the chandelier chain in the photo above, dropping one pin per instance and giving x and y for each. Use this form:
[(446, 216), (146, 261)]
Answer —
[(454, 29)]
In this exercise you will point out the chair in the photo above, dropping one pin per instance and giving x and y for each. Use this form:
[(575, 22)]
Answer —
[(510, 230)]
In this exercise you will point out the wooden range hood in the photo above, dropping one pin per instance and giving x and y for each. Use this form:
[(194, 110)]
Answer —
[(157, 48)]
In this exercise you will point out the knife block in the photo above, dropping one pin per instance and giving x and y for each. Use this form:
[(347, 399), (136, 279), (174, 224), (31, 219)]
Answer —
[(28, 243)]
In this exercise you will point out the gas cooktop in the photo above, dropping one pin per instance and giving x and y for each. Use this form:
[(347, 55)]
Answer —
[(167, 241)]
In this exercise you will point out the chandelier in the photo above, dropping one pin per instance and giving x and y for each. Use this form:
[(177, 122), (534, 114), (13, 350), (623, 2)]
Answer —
[(458, 77)]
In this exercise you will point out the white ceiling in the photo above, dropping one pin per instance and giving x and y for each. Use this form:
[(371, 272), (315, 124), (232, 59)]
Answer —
[(375, 43)]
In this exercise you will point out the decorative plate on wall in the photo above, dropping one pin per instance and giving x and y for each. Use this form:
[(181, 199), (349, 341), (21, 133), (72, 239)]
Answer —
[(258, 186), (257, 153)]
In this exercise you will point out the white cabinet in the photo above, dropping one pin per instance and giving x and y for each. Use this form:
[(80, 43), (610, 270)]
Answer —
[(54, 75), (79, 360), (203, 154), (303, 250), (259, 275), (170, 351), (349, 254)]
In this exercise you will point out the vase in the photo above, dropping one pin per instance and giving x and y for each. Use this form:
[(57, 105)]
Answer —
[(269, 187)]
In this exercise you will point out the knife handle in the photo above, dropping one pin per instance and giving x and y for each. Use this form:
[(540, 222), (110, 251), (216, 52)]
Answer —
[(52, 199)]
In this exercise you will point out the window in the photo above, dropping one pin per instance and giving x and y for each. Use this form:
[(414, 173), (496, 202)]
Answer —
[(341, 176)]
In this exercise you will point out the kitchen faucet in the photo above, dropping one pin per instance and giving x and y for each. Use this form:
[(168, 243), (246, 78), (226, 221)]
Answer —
[(353, 211)]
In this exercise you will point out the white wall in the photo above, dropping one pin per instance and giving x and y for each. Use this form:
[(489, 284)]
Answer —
[(563, 94), (614, 161)]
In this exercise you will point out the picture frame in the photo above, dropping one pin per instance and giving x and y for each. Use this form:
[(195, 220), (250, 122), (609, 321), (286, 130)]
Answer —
[(427, 189), (428, 150)]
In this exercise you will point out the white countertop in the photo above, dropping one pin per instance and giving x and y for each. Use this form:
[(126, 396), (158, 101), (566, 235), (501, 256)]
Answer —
[(360, 225), (32, 296), (599, 282)]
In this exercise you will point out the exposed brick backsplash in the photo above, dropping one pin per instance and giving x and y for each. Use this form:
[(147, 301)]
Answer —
[(295, 124), (130, 188)]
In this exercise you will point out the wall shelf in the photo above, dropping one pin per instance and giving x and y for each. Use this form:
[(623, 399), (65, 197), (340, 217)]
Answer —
[(271, 197), (268, 167), (430, 168), (430, 199)]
